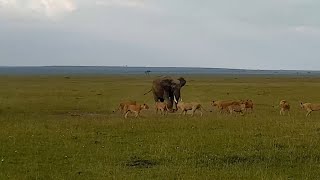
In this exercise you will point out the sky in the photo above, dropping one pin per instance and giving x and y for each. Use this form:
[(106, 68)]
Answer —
[(249, 34)]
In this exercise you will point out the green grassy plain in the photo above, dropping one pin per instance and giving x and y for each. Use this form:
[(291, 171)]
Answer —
[(58, 128)]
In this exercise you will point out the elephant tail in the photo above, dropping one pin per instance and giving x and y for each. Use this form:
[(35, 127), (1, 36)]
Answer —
[(147, 92)]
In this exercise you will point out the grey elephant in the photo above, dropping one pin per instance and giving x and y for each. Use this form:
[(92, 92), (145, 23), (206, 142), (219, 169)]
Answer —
[(167, 89)]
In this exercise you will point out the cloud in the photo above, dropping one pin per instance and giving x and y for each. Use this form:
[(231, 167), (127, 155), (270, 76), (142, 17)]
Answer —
[(48, 8), (308, 30), (52, 8), (8, 3), (121, 3)]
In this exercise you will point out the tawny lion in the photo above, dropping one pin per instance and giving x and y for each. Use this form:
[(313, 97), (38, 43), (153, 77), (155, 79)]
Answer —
[(224, 104), (237, 108), (309, 107), (193, 107), (284, 107), (248, 104), (123, 104), (162, 107), (136, 109)]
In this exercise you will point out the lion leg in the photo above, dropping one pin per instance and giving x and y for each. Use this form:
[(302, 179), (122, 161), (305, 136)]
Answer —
[(185, 112), (137, 114), (193, 111), (308, 113), (182, 111), (126, 114)]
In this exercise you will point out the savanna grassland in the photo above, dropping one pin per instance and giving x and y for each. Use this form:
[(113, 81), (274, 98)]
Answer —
[(52, 127)]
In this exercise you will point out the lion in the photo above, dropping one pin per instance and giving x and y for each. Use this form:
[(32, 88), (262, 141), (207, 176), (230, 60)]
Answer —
[(284, 107), (224, 104), (193, 107), (309, 107), (123, 104), (162, 107), (136, 109), (248, 104), (237, 108)]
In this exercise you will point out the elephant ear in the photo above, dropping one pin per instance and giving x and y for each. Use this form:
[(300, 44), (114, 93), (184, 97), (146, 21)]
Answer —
[(182, 81)]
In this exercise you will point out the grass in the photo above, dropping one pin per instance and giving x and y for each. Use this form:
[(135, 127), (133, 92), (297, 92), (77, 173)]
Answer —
[(58, 128)]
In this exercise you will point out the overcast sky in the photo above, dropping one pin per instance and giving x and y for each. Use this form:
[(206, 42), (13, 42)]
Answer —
[(255, 34)]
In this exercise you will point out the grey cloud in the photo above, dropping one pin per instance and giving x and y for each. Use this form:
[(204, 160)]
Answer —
[(275, 34)]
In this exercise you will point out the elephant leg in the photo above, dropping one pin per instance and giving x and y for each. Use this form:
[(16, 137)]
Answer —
[(168, 100), (155, 97)]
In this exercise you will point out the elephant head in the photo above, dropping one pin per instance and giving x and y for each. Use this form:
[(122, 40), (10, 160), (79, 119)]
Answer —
[(168, 89)]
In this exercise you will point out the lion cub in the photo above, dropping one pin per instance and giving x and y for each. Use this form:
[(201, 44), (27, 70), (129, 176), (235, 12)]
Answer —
[(162, 107), (193, 107), (136, 109), (284, 107)]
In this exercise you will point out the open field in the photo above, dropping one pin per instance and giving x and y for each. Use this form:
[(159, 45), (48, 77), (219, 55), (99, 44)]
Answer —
[(58, 128)]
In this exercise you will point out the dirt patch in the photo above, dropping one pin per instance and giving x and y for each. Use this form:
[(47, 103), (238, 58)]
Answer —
[(137, 162)]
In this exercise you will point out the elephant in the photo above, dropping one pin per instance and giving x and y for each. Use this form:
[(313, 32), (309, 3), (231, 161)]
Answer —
[(168, 89)]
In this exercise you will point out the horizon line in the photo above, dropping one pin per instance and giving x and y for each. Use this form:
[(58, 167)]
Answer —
[(125, 66)]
